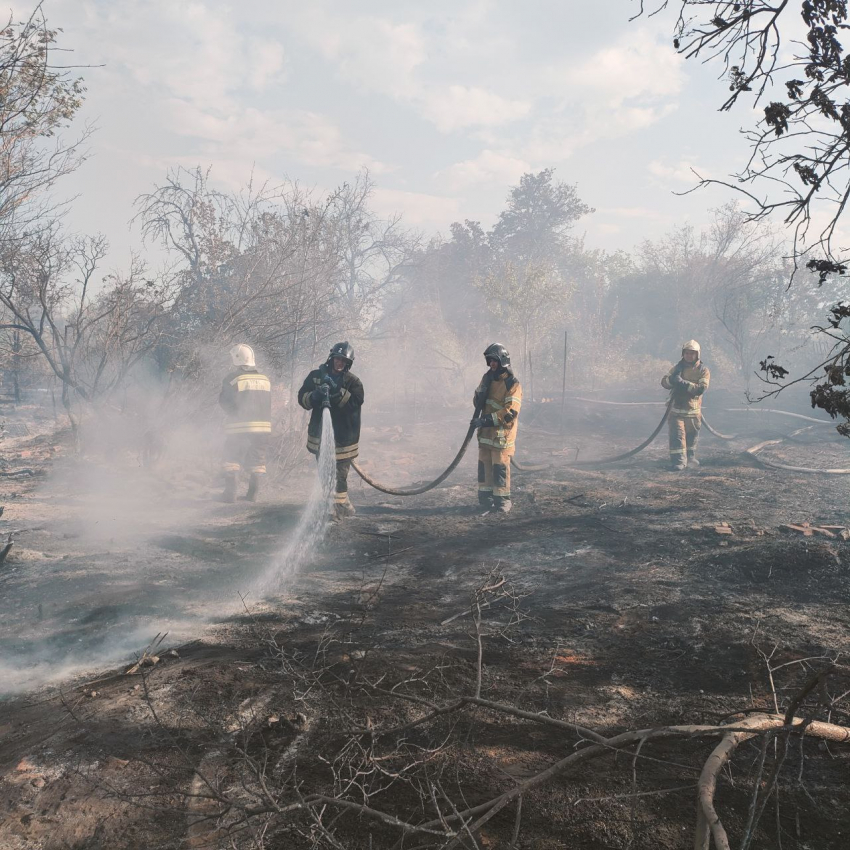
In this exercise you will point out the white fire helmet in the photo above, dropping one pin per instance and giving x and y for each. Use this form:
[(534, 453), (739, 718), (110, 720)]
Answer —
[(243, 355), (691, 345)]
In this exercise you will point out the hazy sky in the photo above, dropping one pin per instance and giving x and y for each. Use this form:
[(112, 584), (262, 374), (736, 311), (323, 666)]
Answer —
[(447, 103)]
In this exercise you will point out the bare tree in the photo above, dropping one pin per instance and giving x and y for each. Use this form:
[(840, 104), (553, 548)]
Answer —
[(89, 340), (725, 284), (374, 253), (252, 263), (38, 98)]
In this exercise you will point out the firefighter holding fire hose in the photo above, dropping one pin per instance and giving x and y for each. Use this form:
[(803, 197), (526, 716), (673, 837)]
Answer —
[(497, 403), (334, 386), (687, 382)]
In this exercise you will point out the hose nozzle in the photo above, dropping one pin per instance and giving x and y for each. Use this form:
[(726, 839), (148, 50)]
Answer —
[(326, 396)]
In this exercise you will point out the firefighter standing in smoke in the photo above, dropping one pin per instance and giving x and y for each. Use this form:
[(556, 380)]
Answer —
[(345, 396), (246, 400), (688, 381), (501, 394)]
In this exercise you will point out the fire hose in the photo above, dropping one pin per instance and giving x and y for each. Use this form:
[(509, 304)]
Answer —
[(752, 451), (424, 488)]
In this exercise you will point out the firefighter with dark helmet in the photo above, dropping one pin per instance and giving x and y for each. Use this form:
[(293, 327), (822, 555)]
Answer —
[(687, 382), (344, 391), (497, 403), (245, 398)]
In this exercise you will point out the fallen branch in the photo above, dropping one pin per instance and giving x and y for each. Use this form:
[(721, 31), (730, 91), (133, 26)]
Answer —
[(748, 728), (709, 824)]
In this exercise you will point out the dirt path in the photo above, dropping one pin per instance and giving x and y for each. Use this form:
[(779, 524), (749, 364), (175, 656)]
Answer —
[(650, 615)]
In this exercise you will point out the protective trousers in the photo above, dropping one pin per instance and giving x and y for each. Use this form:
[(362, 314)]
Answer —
[(341, 494), (246, 451), (341, 489), (494, 475), (684, 433)]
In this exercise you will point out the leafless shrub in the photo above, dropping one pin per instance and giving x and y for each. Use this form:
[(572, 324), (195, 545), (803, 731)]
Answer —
[(353, 744)]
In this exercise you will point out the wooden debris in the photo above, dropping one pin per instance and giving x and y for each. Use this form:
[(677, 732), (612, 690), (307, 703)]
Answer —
[(802, 529), (723, 528), (809, 530), (148, 659)]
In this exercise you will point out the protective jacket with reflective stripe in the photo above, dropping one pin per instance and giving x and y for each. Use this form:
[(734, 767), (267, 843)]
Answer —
[(504, 399), (345, 411), (246, 399), (687, 401)]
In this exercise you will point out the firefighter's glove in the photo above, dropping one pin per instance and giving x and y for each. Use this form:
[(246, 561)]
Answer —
[(677, 382), (317, 396), (486, 421), (335, 395)]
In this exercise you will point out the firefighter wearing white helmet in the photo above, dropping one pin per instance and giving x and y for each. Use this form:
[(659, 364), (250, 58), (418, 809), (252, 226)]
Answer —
[(246, 400), (497, 401), (687, 382)]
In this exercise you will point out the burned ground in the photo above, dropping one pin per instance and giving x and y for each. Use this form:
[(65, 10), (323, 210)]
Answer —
[(636, 613)]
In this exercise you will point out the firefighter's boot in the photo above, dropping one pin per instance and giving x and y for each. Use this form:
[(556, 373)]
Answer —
[(485, 499), (502, 504), (343, 510), (692, 459), (254, 487), (229, 493)]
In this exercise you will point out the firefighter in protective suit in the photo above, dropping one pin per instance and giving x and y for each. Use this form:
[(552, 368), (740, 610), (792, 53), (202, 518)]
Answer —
[(344, 391), (246, 400), (501, 396), (687, 382)]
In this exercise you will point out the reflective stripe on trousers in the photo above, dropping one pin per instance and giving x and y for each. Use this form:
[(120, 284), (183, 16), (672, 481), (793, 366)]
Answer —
[(684, 433), (248, 428), (341, 490), (341, 452), (494, 471), (246, 451)]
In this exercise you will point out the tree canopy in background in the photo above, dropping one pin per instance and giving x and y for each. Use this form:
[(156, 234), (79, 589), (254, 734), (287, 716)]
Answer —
[(291, 270), (787, 59)]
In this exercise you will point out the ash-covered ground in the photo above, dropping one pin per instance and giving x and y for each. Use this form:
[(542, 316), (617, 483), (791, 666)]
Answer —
[(636, 611)]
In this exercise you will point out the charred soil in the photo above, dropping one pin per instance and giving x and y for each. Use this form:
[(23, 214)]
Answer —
[(637, 598)]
